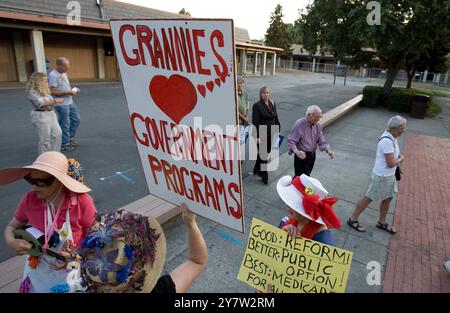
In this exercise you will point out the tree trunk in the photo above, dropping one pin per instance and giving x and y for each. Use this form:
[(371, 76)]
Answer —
[(410, 77), (393, 69), (392, 73), (410, 71)]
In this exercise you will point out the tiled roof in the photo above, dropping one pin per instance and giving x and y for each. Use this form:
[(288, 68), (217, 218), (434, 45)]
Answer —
[(91, 12)]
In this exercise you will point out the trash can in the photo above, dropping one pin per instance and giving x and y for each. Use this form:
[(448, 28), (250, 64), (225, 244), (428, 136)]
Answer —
[(419, 106)]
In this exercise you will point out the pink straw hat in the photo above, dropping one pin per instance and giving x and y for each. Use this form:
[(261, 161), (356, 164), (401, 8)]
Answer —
[(51, 162)]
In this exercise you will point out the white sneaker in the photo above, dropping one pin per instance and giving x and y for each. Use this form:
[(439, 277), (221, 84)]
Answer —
[(68, 148), (447, 266), (73, 142)]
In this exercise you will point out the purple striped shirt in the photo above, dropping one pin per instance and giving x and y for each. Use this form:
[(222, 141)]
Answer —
[(306, 137)]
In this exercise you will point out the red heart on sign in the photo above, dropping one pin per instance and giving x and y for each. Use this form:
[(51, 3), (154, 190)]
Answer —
[(217, 80), (175, 96), (210, 86), (201, 89)]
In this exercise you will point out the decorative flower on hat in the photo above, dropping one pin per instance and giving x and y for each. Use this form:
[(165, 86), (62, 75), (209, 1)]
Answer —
[(117, 252), (309, 198), (102, 264), (75, 170), (101, 237), (316, 207)]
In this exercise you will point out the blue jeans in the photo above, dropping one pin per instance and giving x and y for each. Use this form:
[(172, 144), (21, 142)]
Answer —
[(68, 119)]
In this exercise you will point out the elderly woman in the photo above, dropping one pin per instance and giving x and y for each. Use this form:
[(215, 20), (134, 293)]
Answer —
[(43, 116), (383, 183), (55, 215), (264, 116)]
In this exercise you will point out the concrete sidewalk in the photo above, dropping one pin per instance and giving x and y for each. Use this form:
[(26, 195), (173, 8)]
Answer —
[(354, 139)]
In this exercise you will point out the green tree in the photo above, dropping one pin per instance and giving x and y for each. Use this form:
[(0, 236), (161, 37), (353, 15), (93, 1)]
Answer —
[(406, 26), (433, 59), (294, 33), (184, 12), (277, 34)]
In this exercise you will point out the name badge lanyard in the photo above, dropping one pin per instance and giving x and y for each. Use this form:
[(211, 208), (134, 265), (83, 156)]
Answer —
[(49, 220)]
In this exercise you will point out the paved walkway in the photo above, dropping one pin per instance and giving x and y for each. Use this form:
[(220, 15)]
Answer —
[(422, 219)]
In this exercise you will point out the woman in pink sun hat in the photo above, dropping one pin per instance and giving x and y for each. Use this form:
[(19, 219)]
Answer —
[(60, 213), (311, 212)]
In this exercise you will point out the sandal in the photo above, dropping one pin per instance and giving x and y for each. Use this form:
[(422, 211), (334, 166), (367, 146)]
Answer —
[(387, 228), (356, 225)]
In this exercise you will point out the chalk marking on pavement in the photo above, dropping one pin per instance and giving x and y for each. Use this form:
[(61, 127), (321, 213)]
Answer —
[(121, 174), (229, 238)]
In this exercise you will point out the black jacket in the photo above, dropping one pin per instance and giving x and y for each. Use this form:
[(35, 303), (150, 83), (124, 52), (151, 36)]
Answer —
[(261, 115)]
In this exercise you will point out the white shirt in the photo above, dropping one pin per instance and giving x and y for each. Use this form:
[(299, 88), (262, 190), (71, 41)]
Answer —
[(61, 82), (386, 146)]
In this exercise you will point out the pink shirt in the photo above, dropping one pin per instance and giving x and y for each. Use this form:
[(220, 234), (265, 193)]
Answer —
[(31, 211), (306, 137)]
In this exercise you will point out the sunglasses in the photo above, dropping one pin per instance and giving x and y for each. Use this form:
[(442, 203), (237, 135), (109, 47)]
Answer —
[(42, 183)]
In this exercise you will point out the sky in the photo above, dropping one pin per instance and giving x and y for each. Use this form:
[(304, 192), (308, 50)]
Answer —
[(254, 15)]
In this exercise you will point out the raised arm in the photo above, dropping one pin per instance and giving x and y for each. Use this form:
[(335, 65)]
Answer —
[(185, 274)]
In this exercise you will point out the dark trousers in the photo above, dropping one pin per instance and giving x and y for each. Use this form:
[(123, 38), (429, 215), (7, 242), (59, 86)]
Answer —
[(306, 165), (257, 170)]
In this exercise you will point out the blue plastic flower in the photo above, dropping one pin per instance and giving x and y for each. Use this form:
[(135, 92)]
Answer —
[(54, 240), (102, 264), (129, 252), (60, 288), (101, 237), (122, 275)]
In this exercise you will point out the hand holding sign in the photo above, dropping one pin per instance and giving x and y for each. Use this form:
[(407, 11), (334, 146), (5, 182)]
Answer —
[(292, 264)]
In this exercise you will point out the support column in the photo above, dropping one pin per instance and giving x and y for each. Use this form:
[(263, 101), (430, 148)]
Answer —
[(425, 75), (446, 77), (274, 63), (100, 59), (338, 62), (313, 69), (291, 63), (263, 65), (240, 69), (20, 57), (255, 65), (37, 45), (244, 61), (437, 78)]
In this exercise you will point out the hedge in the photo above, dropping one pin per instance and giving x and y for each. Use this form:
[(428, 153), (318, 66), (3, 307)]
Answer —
[(399, 100)]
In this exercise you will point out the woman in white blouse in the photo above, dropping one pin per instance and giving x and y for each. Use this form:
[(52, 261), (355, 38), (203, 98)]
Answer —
[(43, 116)]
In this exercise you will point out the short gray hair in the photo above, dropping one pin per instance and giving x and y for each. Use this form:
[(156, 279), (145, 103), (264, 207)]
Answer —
[(311, 109), (395, 122)]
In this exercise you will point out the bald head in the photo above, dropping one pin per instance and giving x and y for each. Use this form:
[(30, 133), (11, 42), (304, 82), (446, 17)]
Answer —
[(313, 114), (62, 64)]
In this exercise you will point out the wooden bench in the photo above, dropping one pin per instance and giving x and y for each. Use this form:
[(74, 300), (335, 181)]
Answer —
[(11, 270), (334, 114)]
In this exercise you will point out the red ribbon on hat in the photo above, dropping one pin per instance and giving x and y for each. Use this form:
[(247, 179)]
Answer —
[(316, 207)]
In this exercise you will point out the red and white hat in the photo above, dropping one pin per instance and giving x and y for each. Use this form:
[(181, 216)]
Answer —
[(309, 198)]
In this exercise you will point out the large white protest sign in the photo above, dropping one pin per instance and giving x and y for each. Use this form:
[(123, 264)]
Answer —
[(179, 82)]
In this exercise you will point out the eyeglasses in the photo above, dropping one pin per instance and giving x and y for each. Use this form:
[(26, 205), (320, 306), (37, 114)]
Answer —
[(42, 183)]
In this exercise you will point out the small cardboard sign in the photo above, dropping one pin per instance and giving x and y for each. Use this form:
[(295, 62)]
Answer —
[(292, 265)]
